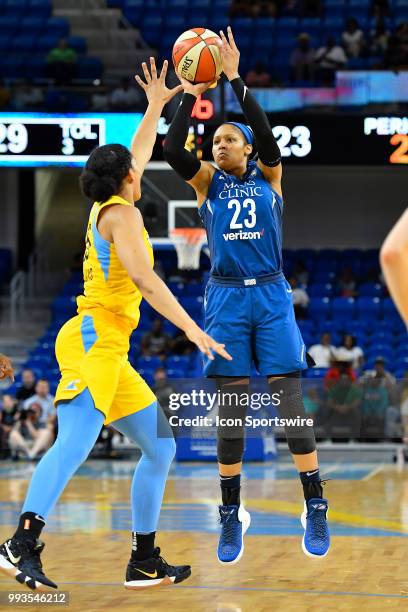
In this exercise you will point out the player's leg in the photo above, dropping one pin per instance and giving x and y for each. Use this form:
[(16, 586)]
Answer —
[(235, 520), (302, 445), (228, 320), (79, 424), (281, 356), (149, 428)]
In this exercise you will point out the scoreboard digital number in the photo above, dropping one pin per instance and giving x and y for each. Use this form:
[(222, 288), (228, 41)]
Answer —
[(49, 140)]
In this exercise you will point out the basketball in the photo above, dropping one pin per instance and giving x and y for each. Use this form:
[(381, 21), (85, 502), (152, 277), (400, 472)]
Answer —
[(196, 55)]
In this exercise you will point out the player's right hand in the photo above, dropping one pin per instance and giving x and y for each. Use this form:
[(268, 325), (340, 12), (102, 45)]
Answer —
[(195, 89), (6, 369), (206, 344)]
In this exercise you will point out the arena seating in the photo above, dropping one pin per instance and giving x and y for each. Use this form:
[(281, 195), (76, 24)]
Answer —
[(28, 31), (5, 265), (370, 316), (264, 38)]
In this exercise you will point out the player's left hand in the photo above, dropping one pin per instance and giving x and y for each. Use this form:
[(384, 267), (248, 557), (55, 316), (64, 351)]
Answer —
[(229, 55), (155, 86), (6, 369)]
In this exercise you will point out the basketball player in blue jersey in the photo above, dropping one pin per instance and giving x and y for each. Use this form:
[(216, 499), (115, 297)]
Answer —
[(98, 385), (248, 302)]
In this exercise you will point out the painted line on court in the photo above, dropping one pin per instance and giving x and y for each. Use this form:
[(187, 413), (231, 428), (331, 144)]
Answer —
[(241, 588)]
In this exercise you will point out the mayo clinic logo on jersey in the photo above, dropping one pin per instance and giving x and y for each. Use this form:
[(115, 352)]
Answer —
[(243, 235), (239, 190)]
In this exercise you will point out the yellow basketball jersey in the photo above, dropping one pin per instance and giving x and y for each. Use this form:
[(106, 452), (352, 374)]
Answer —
[(107, 284)]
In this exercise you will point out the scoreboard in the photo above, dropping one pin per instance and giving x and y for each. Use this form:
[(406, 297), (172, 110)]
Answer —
[(37, 140)]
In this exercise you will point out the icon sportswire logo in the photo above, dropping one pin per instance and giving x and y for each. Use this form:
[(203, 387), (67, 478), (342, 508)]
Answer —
[(241, 235)]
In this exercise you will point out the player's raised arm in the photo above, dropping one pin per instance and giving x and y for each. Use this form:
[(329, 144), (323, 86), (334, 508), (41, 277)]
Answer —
[(126, 225), (198, 174), (268, 150), (394, 263), (157, 95)]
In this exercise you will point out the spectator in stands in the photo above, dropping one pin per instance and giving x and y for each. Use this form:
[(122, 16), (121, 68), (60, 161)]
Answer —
[(30, 434), (341, 367), (299, 297), (62, 63), (44, 399), (27, 388), (163, 389), (8, 416), (347, 283), (404, 407), (396, 56), (312, 402), (28, 97), (388, 381), (5, 95), (258, 76), (100, 98), (125, 97), (328, 59), (253, 8), (155, 342), (265, 8), (324, 354), (379, 39), (300, 273), (353, 38), (302, 58), (349, 350), (343, 416)]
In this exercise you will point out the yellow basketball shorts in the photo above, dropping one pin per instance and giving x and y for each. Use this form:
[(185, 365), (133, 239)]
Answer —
[(92, 352)]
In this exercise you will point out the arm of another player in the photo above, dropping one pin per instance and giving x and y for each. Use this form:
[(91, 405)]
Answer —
[(394, 264), (127, 230), (268, 151), (157, 95), (6, 369), (196, 173)]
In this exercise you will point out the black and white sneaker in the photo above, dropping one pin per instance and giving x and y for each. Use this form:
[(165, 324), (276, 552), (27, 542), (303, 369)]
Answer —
[(20, 558), (154, 572)]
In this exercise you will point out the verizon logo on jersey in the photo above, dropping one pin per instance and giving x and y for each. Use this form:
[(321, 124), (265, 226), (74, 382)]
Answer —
[(243, 235)]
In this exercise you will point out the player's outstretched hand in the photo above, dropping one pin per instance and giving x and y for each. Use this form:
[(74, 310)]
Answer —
[(195, 89), (155, 86), (229, 55), (206, 344), (6, 369)]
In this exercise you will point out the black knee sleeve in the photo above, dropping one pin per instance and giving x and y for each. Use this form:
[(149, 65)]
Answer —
[(232, 407), (300, 436)]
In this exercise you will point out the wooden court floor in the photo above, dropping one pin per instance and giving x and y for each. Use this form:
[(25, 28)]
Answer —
[(88, 543)]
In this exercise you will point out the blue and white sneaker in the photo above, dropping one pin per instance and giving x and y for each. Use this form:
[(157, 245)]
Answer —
[(316, 540), (234, 523)]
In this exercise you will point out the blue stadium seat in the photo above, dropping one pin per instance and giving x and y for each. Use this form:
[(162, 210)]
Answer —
[(151, 363), (334, 24), (336, 11), (265, 26), (5, 40), (319, 308), (382, 337), (370, 290), (311, 25), (181, 362), (323, 277), (170, 328), (147, 375), (380, 350), (389, 309), (192, 303), (176, 373), (320, 290), (9, 25), (343, 308), (32, 25), (288, 24), (23, 43), (78, 43), (242, 25), (306, 326), (58, 26), (40, 8), (368, 308), (46, 42), (197, 19), (12, 67), (316, 373), (90, 68), (401, 352)]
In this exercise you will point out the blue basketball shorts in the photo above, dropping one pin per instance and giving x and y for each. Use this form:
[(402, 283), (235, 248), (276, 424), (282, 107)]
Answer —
[(257, 324)]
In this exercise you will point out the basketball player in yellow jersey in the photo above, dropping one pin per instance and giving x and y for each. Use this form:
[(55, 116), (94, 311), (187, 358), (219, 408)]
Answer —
[(98, 384)]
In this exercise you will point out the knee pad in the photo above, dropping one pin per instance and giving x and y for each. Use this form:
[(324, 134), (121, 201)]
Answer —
[(300, 436), (232, 409)]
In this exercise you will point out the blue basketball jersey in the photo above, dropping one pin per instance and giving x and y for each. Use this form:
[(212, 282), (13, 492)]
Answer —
[(243, 220)]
